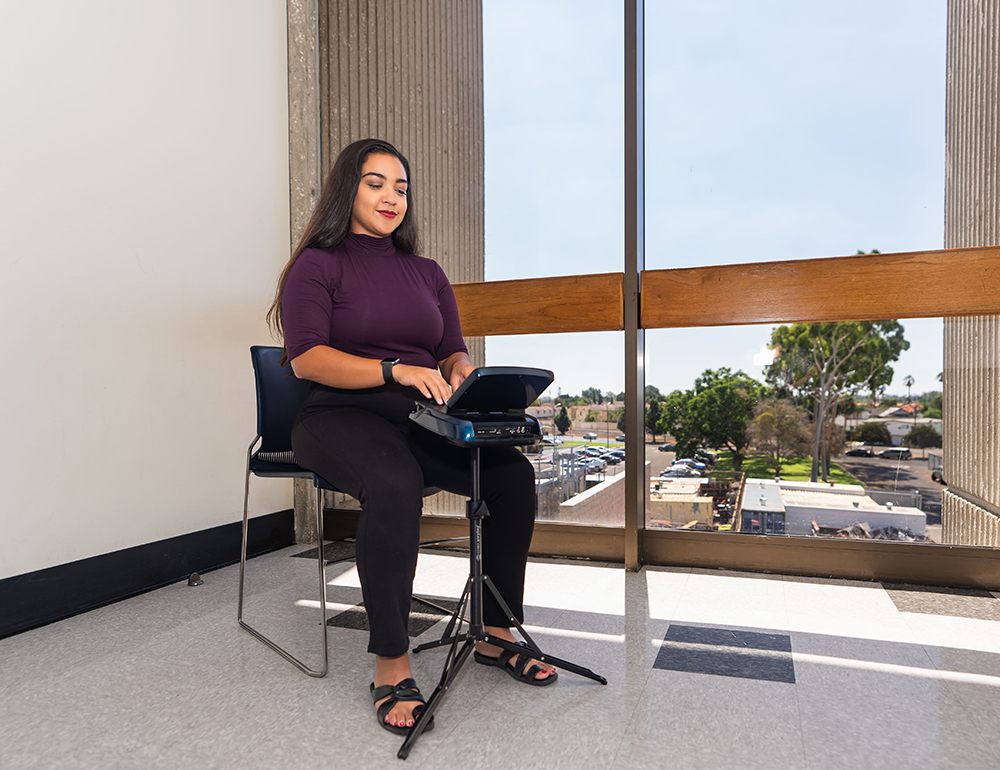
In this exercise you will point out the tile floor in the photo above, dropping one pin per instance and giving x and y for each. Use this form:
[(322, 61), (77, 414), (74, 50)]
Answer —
[(705, 669)]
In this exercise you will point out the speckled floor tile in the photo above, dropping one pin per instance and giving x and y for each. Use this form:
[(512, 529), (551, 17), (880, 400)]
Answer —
[(952, 602), (169, 680)]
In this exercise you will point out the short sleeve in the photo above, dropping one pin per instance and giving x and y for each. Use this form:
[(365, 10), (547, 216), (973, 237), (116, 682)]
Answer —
[(451, 338), (307, 302)]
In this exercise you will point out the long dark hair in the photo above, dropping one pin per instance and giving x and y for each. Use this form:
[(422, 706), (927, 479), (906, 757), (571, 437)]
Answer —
[(331, 220)]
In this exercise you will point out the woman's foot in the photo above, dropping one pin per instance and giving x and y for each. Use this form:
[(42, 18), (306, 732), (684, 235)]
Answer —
[(546, 671), (392, 671)]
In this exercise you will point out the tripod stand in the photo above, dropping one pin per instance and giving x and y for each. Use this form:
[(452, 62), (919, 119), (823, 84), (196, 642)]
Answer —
[(472, 597)]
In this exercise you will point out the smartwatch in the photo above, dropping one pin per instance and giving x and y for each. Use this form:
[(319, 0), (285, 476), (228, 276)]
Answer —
[(387, 364)]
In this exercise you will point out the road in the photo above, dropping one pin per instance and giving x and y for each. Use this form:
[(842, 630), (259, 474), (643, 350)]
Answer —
[(901, 475)]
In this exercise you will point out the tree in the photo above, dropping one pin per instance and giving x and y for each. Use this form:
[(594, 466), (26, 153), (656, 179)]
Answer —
[(619, 418), (593, 396), (922, 437), (908, 382), (562, 421), (780, 429), (932, 401), (652, 417), (716, 412), (822, 361), (675, 421), (834, 440), (873, 433)]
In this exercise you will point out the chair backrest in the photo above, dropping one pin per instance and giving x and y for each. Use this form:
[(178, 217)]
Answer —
[(280, 395)]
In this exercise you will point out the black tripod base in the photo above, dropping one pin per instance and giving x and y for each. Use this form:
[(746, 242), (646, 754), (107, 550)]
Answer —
[(457, 657)]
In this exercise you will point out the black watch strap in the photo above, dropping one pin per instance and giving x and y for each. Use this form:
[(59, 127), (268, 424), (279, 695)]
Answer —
[(387, 364)]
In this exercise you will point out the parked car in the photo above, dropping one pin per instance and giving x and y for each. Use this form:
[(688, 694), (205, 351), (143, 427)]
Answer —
[(690, 462), (611, 459), (595, 464), (620, 438), (705, 456), (895, 454), (590, 436), (666, 447), (860, 452), (680, 471)]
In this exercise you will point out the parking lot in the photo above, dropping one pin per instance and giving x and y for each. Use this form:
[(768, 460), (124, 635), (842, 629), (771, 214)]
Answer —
[(897, 475)]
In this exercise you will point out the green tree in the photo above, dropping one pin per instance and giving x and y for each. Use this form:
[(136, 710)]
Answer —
[(562, 421), (922, 437), (653, 417), (674, 420), (872, 433), (823, 361), (716, 412), (592, 396), (779, 429)]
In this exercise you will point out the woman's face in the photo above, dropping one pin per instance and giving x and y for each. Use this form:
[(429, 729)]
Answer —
[(380, 202)]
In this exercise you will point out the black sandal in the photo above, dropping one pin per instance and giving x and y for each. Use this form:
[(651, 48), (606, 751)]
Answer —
[(517, 671), (404, 691)]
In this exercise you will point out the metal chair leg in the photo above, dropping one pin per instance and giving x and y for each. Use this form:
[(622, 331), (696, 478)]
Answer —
[(322, 582)]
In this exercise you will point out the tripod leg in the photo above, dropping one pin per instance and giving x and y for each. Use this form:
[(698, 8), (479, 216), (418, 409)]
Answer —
[(447, 676), (450, 632), (532, 646)]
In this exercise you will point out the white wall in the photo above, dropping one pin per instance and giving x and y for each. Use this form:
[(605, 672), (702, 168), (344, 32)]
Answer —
[(143, 221)]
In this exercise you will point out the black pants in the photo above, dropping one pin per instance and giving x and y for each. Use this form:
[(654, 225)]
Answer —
[(363, 443)]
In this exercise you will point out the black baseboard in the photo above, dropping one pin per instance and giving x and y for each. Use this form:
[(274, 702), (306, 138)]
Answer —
[(37, 598)]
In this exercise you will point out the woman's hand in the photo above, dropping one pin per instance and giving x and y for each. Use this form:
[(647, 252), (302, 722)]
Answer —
[(459, 372), (427, 381), (456, 368)]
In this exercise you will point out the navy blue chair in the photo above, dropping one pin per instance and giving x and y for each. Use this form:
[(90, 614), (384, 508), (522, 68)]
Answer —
[(280, 395)]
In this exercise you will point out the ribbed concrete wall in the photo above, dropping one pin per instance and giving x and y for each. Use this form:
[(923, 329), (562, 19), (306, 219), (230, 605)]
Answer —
[(410, 72), (968, 524), (972, 218)]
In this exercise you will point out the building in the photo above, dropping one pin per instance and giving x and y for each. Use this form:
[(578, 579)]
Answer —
[(813, 508)]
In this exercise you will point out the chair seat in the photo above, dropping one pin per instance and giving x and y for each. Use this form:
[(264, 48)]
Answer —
[(266, 469)]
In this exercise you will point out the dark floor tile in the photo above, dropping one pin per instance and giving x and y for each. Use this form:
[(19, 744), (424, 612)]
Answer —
[(422, 616), (727, 652), (336, 550), (938, 600)]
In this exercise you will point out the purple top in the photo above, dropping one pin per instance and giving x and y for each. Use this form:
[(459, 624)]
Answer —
[(366, 298)]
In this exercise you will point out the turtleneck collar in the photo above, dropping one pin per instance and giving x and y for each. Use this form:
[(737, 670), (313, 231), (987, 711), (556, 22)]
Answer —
[(369, 245)]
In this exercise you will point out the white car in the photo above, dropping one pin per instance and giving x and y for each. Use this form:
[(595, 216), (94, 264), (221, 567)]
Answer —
[(590, 436)]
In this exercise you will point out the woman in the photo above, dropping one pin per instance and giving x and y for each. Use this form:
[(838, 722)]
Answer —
[(375, 328)]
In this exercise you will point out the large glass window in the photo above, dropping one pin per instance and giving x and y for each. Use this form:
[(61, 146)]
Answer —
[(788, 131), (554, 125), (738, 437)]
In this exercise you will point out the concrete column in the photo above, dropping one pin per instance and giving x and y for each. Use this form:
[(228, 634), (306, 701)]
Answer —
[(971, 504), (409, 72)]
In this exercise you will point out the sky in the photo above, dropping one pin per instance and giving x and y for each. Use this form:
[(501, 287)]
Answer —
[(775, 130)]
